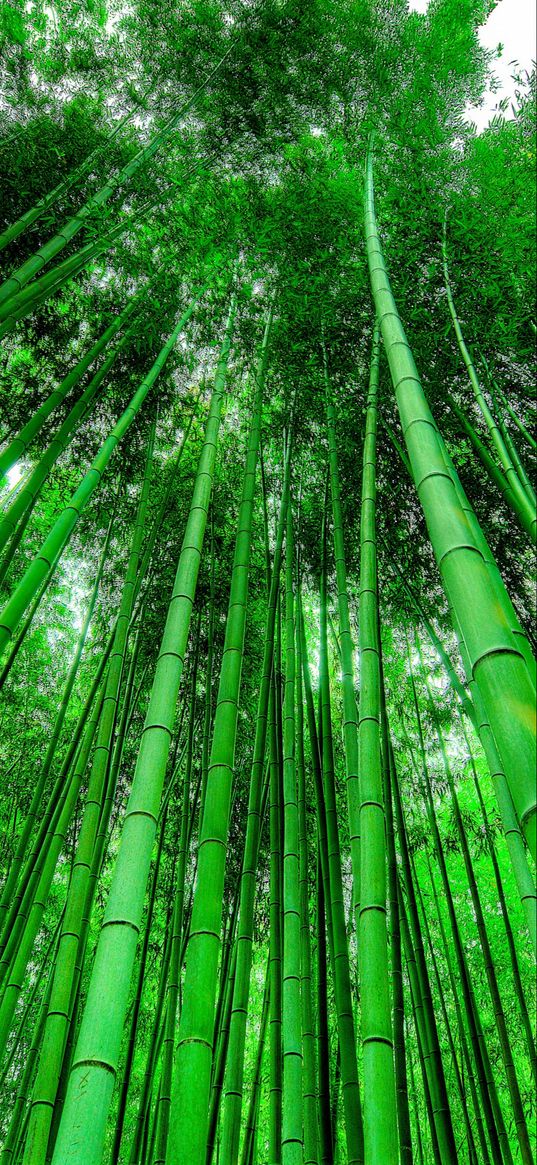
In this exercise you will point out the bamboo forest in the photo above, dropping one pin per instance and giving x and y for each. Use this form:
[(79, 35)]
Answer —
[(267, 535)]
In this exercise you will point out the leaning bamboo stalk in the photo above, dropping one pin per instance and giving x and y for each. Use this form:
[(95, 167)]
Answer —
[(56, 1028), (90, 1090), (62, 529), (490, 971), (16, 518), (19, 444), (497, 1133), (9, 898), (497, 665), (32, 266)]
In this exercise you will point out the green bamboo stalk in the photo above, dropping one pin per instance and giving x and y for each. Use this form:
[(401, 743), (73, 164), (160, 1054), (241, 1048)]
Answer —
[(400, 1058), (222, 1028), (495, 1125), (18, 445), (418, 1130), (311, 1154), (526, 511), (292, 1108), (472, 1148), (141, 1129), (497, 666), (323, 1035), (206, 743), (315, 738), (91, 1085), (275, 937), (441, 1123), (515, 418), (63, 527), (483, 1144), (346, 647), (10, 898), (172, 989), (396, 968), (234, 1082), (509, 442), (499, 1015), (96, 869), (501, 596), (519, 990), (138, 997), (493, 1117), (31, 267), (189, 1109), (420, 1022), (335, 902), (16, 518), (495, 474), (234, 1077), (247, 1156), (380, 1135)]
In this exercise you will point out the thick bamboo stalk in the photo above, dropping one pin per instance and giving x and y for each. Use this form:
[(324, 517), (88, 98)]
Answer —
[(380, 1122), (172, 990), (275, 936), (188, 1114), (497, 665), (82, 1128)]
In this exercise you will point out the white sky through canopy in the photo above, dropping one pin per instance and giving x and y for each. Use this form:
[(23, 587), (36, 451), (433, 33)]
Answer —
[(511, 24)]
